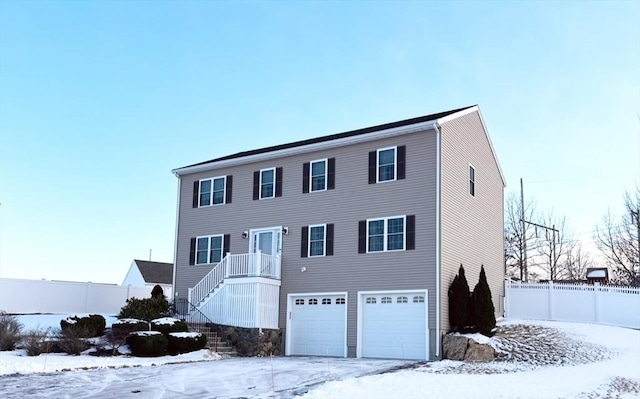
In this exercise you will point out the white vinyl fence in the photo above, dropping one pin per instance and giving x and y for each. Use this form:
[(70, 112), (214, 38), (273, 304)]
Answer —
[(42, 296), (616, 306)]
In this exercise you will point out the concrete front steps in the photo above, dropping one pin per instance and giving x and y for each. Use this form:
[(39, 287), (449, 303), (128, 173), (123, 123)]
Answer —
[(214, 342)]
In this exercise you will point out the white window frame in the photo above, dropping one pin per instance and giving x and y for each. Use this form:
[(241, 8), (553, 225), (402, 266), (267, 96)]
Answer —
[(395, 164), (386, 233), (224, 191), (326, 175), (324, 241), (273, 182), (209, 248), (472, 182)]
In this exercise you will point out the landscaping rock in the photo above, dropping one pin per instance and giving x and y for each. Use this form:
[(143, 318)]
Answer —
[(479, 352), (454, 347)]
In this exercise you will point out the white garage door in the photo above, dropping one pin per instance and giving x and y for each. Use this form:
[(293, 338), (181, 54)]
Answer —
[(317, 325), (394, 325)]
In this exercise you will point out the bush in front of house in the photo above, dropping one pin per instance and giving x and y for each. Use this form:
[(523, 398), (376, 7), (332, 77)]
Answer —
[(168, 325), (157, 292), (147, 343), (484, 315), (130, 325), (183, 342), (459, 305), (71, 341), (145, 309), (87, 326), (10, 332), (37, 342)]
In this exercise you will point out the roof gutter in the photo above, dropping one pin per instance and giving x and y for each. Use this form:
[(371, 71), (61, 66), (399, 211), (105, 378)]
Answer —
[(324, 145)]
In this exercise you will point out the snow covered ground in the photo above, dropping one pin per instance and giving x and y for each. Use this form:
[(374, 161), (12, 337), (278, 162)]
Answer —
[(537, 360)]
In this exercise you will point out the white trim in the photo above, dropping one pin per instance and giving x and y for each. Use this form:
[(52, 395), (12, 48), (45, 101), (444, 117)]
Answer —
[(303, 149), (209, 237), (277, 230), (360, 321), (224, 191), (395, 164), (260, 197), (438, 234), (175, 242), (290, 297), (469, 181), (324, 240), (326, 175), (386, 234)]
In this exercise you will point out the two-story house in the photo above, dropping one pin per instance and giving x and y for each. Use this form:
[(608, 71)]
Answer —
[(348, 242)]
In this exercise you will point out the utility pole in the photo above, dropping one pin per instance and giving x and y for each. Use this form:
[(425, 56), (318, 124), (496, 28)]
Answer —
[(523, 248)]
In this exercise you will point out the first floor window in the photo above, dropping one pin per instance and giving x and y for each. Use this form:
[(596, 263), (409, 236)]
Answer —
[(316, 240), (209, 249), (386, 234)]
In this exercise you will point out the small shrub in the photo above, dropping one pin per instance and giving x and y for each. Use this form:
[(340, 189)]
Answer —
[(168, 325), (92, 325), (157, 292), (71, 341), (459, 305), (182, 342), (147, 343), (117, 335), (36, 342), (10, 330), (145, 309)]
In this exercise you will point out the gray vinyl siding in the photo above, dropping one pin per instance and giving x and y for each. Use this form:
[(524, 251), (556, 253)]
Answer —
[(472, 227), (352, 200)]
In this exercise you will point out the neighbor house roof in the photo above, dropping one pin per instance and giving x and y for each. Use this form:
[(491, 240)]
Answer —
[(155, 272), (352, 133)]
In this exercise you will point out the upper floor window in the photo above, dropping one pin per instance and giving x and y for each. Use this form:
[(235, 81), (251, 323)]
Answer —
[(472, 180), (387, 164), (267, 183), (212, 191), (208, 249), (386, 234), (318, 175), (317, 240)]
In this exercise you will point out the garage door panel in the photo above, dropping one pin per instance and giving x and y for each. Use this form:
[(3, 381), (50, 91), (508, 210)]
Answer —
[(394, 326), (318, 325)]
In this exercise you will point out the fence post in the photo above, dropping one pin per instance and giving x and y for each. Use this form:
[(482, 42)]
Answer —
[(225, 264), (596, 300), (507, 296), (551, 302), (189, 295), (258, 263)]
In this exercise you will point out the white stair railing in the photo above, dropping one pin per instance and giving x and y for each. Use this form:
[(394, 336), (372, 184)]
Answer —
[(235, 265)]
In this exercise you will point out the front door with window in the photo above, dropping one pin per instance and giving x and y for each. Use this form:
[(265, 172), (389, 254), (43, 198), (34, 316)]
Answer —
[(269, 242)]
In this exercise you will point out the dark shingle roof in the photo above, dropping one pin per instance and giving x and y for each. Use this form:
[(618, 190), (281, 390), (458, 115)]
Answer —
[(155, 272), (351, 133)]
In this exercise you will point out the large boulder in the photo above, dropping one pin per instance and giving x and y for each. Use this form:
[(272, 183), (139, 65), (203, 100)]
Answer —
[(454, 347), (479, 352)]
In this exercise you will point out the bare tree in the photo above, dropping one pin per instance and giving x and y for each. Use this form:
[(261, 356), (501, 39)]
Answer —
[(516, 237), (576, 262), (552, 246), (618, 240)]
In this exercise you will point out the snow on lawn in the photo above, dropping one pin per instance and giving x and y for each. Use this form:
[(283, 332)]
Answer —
[(541, 360), (537, 359)]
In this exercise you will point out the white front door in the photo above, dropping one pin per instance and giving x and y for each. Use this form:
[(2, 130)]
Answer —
[(268, 241)]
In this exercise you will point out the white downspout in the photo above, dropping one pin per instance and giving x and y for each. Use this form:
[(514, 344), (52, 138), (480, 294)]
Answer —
[(175, 243), (438, 232)]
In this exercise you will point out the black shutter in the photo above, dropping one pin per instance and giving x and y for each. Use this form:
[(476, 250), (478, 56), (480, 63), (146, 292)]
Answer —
[(402, 157), (279, 182), (362, 236), (331, 174), (226, 245), (372, 167), (329, 239), (411, 232), (228, 189), (304, 242), (256, 185), (305, 177), (192, 252), (196, 189)]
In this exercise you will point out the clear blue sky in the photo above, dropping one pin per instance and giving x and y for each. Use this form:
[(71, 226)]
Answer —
[(100, 100)]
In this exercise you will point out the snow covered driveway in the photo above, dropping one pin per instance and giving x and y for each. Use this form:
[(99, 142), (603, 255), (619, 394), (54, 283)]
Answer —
[(229, 378)]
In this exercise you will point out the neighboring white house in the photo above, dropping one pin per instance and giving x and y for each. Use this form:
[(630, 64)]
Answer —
[(143, 273)]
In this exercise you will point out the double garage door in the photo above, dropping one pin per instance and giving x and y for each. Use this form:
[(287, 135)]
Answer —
[(391, 325)]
